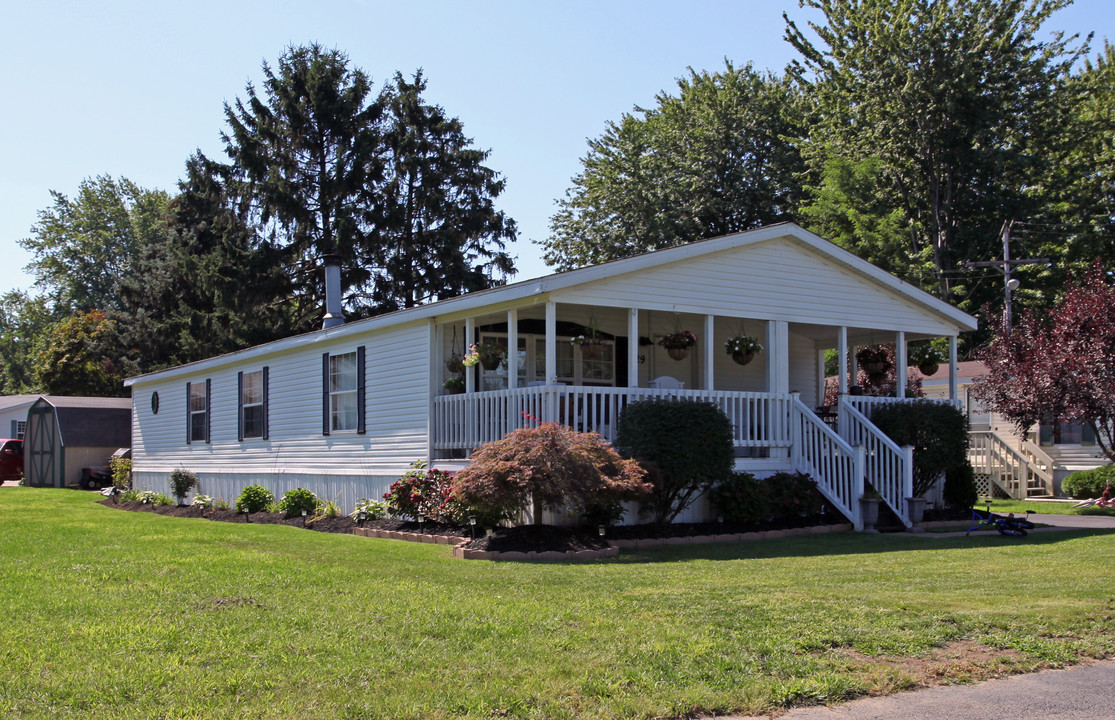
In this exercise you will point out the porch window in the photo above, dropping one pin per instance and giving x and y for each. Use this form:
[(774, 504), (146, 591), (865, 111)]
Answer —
[(343, 392), (197, 411), (253, 404)]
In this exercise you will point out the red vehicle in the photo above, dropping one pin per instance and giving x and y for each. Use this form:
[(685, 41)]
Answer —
[(11, 460)]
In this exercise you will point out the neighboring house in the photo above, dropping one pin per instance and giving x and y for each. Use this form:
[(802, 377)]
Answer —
[(344, 411), (13, 414), (1021, 467), (65, 434)]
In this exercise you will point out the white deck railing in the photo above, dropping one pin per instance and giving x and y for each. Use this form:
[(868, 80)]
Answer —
[(1015, 471), (888, 467), (864, 403), (837, 467), (469, 420)]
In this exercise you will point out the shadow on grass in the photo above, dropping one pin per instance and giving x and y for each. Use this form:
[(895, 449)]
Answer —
[(847, 543)]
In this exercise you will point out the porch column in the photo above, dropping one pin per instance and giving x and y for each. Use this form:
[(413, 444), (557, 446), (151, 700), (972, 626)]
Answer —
[(900, 361), (710, 349), (512, 348), (820, 378), (632, 348), (952, 368), (470, 373), (778, 356), (842, 361), (551, 341), (853, 367)]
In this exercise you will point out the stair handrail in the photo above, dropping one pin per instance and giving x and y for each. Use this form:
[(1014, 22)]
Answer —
[(890, 468), (837, 467), (1041, 464)]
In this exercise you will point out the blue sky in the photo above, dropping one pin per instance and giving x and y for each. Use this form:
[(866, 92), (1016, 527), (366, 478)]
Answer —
[(132, 88)]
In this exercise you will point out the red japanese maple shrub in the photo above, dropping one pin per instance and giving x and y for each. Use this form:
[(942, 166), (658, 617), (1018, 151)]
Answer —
[(549, 466)]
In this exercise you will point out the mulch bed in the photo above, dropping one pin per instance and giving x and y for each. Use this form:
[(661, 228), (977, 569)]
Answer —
[(526, 538)]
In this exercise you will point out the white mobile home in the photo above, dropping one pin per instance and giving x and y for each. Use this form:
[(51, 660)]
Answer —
[(345, 410)]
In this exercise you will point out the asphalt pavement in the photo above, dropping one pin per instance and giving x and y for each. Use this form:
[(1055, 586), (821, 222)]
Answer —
[(1083, 692)]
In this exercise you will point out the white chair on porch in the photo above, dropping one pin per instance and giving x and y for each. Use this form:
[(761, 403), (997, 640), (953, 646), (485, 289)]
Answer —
[(666, 383)]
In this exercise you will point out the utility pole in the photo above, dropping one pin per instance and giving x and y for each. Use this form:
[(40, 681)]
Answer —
[(1004, 266)]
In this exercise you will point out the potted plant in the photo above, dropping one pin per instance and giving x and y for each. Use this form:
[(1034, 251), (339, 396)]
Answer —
[(490, 355), (873, 360), (454, 364), (926, 357), (454, 385), (677, 343), (743, 348)]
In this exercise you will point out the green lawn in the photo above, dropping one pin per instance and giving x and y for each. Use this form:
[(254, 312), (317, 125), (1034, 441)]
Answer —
[(130, 615), (1019, 507)]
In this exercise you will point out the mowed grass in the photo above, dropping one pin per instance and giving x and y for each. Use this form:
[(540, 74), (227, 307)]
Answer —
[(111, 614), (1019, 507)]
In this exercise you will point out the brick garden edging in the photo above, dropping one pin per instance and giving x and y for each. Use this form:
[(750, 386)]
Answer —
[(460, 551)]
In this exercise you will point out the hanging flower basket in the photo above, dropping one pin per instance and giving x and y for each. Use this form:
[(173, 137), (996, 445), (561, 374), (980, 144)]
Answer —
[(926, 358), (929, 368), (743, 348), (487, 355), (873, 361), (677, 343), (592, 349), (454, 364)]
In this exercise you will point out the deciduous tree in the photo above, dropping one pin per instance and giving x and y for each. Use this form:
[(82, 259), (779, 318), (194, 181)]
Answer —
[(82, 357)]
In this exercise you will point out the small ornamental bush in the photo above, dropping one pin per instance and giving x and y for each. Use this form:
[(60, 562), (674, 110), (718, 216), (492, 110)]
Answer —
[(425, 493), (740, 498), (254, 498), (793, 496), (689, 443), (295, 501), (550, 466), (938, 431), (1086, 484), (121, 469), (205, 502), (150, 497), (182, 481), (368, 509)]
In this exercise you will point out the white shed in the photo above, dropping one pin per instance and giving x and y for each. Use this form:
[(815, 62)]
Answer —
[(344, 411)]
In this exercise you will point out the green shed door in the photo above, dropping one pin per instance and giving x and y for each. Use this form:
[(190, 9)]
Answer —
[(40, 447)]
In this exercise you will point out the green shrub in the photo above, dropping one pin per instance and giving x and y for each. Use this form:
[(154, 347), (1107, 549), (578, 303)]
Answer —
[(150, 497), (329, 509), (204, 502), (121, 473), (425, 493), (792, 496), (368, 509), (295, 501), (1084, 484), (740, 498), (553, 467), (960, 486), (182, 481), (686, 447), (254, 498), (938, 431)]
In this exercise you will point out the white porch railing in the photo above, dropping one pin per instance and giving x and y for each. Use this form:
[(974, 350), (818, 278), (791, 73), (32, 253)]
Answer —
[(1019, 472), (837, 467), (864, 403), (467, 421), (888, 467)]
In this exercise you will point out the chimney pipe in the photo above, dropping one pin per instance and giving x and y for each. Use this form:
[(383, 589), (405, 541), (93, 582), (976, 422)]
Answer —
[(334, 315)]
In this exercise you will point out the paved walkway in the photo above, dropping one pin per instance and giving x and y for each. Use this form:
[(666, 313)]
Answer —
[(1056, 523), (1079, 693)]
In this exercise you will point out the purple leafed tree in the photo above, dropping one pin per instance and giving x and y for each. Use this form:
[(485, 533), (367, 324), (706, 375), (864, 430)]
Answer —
[(1059, 366)]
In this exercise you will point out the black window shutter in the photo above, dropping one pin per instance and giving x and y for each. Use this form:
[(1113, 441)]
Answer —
[(266, 403), (240, 406), (189, 424), (208, 407), (325, 393), (361, 423)]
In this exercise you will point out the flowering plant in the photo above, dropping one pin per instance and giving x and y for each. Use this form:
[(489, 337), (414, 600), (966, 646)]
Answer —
[(925, 355), (743, 344), (454, 384), (870, 355), (678, 340), (426, 493), (490, 354)]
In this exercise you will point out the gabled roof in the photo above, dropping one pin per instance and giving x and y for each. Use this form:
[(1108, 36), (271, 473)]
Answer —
[(92, 422), (559, 281), (8, 402)]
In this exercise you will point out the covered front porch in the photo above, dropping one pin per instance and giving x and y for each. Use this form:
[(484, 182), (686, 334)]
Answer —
[(771, 400)]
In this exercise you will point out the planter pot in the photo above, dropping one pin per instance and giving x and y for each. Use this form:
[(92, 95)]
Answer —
[(677, 353), (916, 507), (454, 391), (869, 511), (490, 363), (873, 367), (592, 350), (454, 364), (742, 358), (928, 368)]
